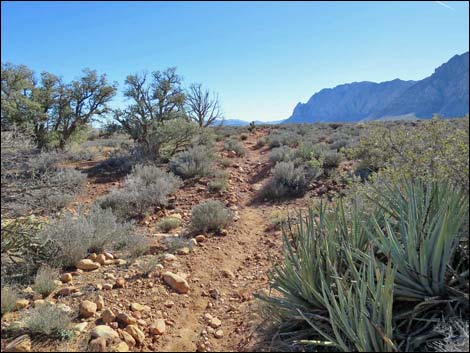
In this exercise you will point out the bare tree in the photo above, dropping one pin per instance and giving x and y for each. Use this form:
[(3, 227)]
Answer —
[(201, 106)]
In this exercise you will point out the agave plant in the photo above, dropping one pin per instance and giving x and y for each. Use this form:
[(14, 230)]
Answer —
[(420, 230)]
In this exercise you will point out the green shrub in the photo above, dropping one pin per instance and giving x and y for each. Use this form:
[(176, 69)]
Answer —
[(219, 183), (195, 162), (9, 296), (47, 320), (210, 215), (235, 146), (281, 154), (332, 159), (147, 186), (69, 239), (286, 180), (168, 223), (44, 283)]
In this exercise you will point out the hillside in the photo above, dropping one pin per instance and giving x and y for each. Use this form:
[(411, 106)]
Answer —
[(444, 92)]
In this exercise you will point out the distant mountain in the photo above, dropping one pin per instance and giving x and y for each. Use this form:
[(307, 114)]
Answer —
[(444, 92), (239, 122)]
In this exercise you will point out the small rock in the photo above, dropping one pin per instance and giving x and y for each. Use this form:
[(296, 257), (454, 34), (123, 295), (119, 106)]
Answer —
[(169, 303), (21, 303), (192, 243), (208, 317), (120, 262), (104, 331), (137, 307), (97, 345), (219, 334), (108, 316), (126, 319), (127, 338), (108, 256), (136, 333), (169, 257), (87, 308), (67, 291), (107, 286), (99, 303), (223, 232), (66, 277), (120, 347), (158, 328), (39, 302), (120, 283), (228, 274), (80, 327), (87, 265), (200, 238), (176, 282), (100, 259), (92, 257), (19, 344), (214, 293), (215, 323)]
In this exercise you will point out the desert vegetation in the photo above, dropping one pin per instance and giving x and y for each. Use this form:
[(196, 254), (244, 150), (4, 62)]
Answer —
[(352, 236)]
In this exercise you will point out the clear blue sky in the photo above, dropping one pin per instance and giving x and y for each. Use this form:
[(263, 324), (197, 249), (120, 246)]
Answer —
[(262, 58)]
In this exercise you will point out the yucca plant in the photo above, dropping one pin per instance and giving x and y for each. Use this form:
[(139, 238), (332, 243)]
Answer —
[(419, 231)]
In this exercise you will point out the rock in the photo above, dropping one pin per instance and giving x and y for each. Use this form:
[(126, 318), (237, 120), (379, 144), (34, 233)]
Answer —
[(126, 319), (176, 282), (67, 291), (228, 274), (214, 293), (28, 290), (219, 334), (108, 316), (107, 286), (104, 331), (120, 347), (97, 345), (21, 303), (19, 344), (183, 251), (92, 257), (100, 259), (215, 323), (136, 333), (192, 243), (208, 317), (109, 276), (169, 303), (169, 257), (120, 283), (80, 327), (66, 277), (127, 338), (137, 307), (39, 302), (223, 232), (120, 262), (87, 309), (158, 328), (99, 303), (87, 265), (200, 238), (108, 256)]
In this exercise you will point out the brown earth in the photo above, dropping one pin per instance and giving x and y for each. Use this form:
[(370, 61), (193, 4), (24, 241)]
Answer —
[(248, 251)]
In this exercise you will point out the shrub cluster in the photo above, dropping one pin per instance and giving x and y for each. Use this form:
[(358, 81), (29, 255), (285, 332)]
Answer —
[(235, 146), (210, 216), (194, 162)]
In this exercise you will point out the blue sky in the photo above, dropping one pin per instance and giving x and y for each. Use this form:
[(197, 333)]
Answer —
[(261, 57)]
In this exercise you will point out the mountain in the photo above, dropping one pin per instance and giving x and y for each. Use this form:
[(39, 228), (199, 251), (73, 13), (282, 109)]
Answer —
[(239, 122), (444, 92)]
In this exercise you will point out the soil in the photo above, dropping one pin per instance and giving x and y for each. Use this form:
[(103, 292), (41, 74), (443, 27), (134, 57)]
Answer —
[(249, 250)]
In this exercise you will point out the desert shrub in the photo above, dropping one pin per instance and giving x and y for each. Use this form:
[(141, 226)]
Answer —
[(210, 215), (455, 336), (225, 162), (360, 279), (46, 161), (147, 186), (281, 154), (149, 264), (286, 137), (9, 296), (195, 162), (219, 183), (433, 149), (48, 320), (69, 239), (332, 159), (44, 283), (135, 245), (235, 146), (262, 141), (243, 137), (287, 180), (168, 223)]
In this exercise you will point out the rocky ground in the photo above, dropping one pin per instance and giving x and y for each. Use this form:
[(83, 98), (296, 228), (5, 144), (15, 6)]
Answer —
[(199, 299)]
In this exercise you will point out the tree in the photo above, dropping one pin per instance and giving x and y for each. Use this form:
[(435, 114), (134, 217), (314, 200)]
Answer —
[(201, 107), (154, 101), (51, 107)]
